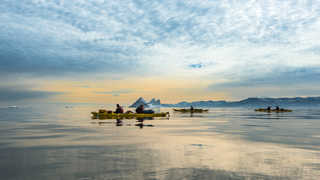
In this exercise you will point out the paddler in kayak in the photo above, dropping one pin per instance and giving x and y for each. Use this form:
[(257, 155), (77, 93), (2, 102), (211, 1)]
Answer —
[(140, 110), (191, 108), (119, 109)]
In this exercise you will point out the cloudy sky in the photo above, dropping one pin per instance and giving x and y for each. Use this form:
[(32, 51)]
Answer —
[(116, 51)]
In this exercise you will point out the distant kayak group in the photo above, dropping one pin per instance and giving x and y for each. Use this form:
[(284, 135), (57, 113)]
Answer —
[(268, 109), (277, 109), (191, 110)]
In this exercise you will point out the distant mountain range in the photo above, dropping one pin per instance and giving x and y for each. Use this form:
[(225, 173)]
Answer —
[(251, 102), (256, 102)]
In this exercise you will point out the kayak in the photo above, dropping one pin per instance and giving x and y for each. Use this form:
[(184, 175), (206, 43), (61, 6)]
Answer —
[(191, 111), (273, 110), (106, 115)]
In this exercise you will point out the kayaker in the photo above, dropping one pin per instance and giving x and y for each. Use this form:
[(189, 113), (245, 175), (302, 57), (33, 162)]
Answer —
[(277, 108), (140, 109), (269, 108), (191, 108), (119, 109)]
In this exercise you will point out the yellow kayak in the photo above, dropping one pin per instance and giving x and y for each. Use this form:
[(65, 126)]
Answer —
[(106, 115), (273, 110), (191, 111)]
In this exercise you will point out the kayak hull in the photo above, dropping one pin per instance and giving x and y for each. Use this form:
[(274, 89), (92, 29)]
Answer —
[(105, 115), (191, 111)]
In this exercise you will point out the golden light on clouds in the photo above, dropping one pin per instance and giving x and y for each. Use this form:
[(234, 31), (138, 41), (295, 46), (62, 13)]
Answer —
[(128, 90)]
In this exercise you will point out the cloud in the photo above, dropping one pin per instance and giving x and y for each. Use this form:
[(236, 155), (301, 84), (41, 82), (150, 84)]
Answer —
[(27, 50), (196, 66), (82, 36), (116, 92), (83, 86), (282, 77), (281, 82), (312, 50), (18, 94), (226, 41)]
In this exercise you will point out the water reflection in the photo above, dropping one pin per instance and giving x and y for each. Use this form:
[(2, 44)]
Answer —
[(205, 173), (102, 123), (64, 143), (164, 158), (140, 122), (119, 122)]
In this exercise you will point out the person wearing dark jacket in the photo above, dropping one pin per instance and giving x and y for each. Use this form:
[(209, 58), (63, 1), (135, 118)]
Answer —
[(119, 109), (140, 109)]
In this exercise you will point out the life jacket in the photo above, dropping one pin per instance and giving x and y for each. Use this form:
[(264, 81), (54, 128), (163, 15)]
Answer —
[(139, 110), (119, 110)]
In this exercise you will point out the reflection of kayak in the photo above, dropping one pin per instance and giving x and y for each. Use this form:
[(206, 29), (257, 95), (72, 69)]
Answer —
[(106, 115), (191, 111), (273, 110)]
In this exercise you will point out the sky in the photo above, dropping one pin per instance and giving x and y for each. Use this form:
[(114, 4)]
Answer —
[(103, 51)]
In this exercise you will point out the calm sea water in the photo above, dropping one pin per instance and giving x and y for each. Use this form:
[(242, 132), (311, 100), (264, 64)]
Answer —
[(63, 142)]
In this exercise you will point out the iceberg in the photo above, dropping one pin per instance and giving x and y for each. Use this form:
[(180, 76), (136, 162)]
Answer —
[(139, 102), (155, 102)]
